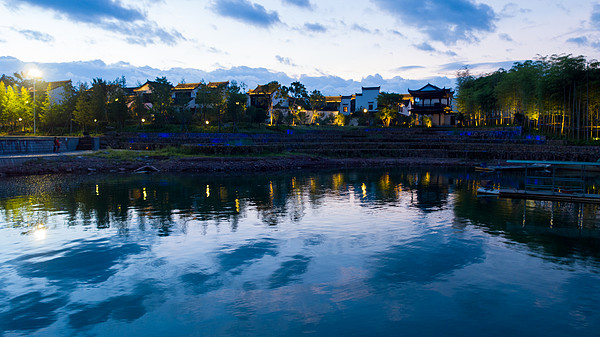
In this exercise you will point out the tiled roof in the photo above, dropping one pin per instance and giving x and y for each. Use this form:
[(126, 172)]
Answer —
[(144, 87), (216, 84), (333, 99), (431, 89), (186, 86), (261, 89), (58, 84)]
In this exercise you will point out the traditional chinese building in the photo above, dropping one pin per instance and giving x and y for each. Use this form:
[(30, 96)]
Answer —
[(267, 97), (184, 94), (434, 103)]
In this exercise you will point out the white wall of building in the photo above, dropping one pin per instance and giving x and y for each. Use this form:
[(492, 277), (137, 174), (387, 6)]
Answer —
[(57, 95), (346, 105), (368, 99)]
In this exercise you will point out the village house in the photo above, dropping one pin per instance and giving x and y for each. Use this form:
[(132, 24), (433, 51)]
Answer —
[(56, 91), (269, 98), (184, 94), (405, 105), (332, 103), (433, 103), (144, 91), (328, 110), (367, 99)]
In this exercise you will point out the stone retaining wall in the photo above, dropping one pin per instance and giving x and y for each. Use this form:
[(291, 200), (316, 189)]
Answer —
[(32, 145)]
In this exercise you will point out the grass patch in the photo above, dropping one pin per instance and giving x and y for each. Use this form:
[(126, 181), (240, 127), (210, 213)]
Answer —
[(180, 152), (133, 155)]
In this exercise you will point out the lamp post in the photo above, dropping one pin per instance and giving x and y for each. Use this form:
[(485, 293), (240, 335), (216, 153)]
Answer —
[(34, 74)]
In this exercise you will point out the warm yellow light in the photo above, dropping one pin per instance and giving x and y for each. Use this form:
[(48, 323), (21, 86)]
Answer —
[(34, 73), (20, 119), (143, 120), (95, 120), (365, 110), (206, 122)]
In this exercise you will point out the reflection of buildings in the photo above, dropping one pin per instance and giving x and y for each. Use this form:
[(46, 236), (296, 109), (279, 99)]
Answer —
[(431, 191)]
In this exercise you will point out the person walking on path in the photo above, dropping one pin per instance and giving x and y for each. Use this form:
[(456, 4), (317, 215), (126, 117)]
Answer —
[(56, 147)]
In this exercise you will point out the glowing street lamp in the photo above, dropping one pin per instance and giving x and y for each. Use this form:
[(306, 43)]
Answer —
[(34, 74)]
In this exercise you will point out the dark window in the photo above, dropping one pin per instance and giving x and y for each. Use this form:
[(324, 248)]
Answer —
[(370, 106)]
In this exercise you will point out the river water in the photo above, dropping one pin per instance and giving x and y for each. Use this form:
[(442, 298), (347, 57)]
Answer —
[(341, 253)]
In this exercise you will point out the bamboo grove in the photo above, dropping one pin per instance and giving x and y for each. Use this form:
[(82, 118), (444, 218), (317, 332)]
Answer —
[(558, 94)]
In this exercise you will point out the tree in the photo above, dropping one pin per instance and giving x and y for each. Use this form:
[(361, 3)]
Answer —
[(25, 105), (3, 104), (387, 114), (388, 105), (235, 103), (139, 110), (296, 96), (557, 94), (69, 101), (98, 101), (340, 119), (161, 99), (317, 102), (116, 106), (84, 112), (256, 115), (8, 80), (11, 113), (213, 101)]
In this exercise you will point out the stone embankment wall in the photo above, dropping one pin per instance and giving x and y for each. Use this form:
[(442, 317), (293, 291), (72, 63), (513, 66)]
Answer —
[(483, 145), (36, 145)]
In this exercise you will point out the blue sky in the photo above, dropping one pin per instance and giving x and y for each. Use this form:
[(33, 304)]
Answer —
[(335, 46)]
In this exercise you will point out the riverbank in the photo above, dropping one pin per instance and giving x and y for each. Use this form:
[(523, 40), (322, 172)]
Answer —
[(84, 164)]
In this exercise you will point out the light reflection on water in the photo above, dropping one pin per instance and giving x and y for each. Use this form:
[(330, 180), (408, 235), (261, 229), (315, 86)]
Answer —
[(342, 253)]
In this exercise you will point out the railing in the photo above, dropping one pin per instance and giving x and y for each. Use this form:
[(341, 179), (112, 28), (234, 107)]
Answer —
[(561, 177)]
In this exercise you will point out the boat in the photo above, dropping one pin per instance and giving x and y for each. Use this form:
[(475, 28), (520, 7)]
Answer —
[(485, 168), (488, 191)]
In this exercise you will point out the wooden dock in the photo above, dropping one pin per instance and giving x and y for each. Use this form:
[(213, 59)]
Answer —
[(548, 185), (550, 196)]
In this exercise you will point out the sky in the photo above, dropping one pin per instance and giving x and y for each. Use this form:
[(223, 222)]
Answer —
[(335, 46)]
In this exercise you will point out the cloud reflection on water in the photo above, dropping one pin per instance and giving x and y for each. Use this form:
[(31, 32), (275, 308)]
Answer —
[(319, 253)]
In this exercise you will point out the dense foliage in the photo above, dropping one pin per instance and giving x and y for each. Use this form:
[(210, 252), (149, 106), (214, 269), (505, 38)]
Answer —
[(559, 94)]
